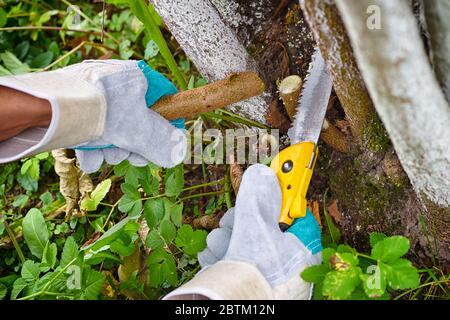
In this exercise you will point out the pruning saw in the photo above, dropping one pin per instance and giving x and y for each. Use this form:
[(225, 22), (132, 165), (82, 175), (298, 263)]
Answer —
[(294, 165)]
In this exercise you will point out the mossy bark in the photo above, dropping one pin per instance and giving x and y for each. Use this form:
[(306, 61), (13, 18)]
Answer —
[(329, 33)]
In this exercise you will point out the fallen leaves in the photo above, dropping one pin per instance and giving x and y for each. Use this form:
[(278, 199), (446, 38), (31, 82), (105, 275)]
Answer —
[(334, 212), (75, 185)]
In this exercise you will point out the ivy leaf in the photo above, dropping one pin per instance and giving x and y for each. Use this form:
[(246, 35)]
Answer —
[(401, 274), (191, 241), (339, 285), (154, 240), (315, 274), (91, 202), (390, 248), (93, 284), (131, 202), (167, 230), (70, 252), (30, 271), (376, 237), (174, 181), (35, 232), (153, 211)]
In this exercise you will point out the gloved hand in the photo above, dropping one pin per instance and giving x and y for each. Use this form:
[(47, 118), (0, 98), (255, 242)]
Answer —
[(98, 103), (249, 234), (92, 154)]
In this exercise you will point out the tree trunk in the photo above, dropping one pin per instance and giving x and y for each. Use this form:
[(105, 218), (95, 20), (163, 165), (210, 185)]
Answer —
[(212, 46), (409, 101)]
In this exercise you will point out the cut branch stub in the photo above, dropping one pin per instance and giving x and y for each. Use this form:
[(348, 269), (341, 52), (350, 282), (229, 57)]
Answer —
[(289, 89), (187, 104), (333, 137)]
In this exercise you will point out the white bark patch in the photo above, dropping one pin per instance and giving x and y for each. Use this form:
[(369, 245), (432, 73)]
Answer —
[(405, 92), (211, 45)]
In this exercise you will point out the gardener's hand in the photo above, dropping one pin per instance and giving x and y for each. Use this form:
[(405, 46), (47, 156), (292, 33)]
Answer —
[(92, 154), (99, 107), (250, 233)]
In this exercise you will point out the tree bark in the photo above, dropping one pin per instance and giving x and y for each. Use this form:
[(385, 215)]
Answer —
[(329, 33), (409, 101), (212, 46), (437, 13)]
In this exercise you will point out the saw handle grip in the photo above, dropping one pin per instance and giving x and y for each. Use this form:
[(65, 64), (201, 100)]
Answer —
[(294, 168)]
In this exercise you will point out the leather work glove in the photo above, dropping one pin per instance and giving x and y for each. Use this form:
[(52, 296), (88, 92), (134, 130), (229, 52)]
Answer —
[(248, 257), (99, 104), (91, 155)]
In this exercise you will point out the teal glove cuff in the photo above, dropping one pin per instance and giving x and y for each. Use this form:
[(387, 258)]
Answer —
[(158, 87), (308, 231)]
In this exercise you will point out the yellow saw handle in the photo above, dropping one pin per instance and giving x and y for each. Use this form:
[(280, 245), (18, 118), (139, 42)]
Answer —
[(294, 168)]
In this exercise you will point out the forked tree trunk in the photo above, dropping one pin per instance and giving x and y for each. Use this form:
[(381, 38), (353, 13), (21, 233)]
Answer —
[(409, 101)]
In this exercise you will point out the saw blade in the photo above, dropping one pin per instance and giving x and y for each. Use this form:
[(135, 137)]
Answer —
[(313, 102)]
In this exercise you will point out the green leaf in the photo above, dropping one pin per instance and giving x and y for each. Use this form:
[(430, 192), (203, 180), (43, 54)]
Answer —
[(401, 274), (2, 227), (162, 267), (42, 60), (125, 49), (91, 203), (345, 248), (3, 291), (176, 213), (390, 248), (3, 18), (326, 254), (93, 284), (376, 237), (154, 212), (167, 230), (22, 49), (20, 201), (27, 182), (18, 286), (70, 252), (113, 233), (13, 64), (30, 271), (339, 285), (315, 274), (151, 50), (374, 284), (122, 249), (35, 232), (150, 185), (191, 241), (131, 201), (4, 71), (174, 181), (343, 261), (49, 257), (154, 240)]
